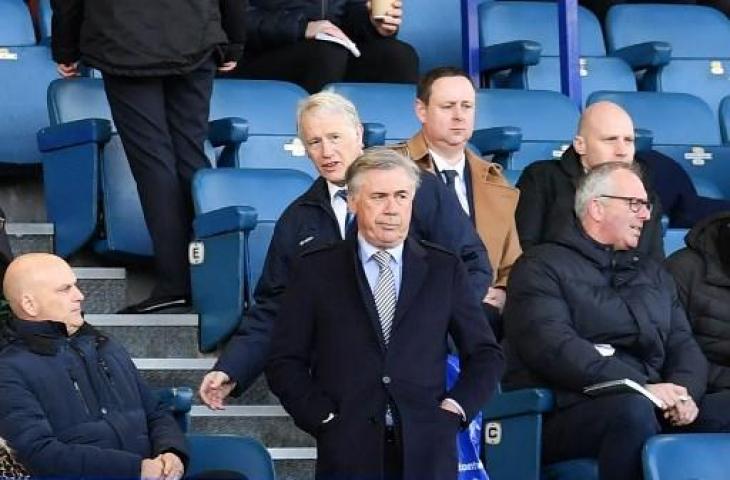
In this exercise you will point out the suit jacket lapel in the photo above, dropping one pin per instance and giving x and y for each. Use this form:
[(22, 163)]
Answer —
[(415, 270), (365, 292)]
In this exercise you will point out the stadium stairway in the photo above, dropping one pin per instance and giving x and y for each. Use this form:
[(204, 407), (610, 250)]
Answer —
[(164, 348)]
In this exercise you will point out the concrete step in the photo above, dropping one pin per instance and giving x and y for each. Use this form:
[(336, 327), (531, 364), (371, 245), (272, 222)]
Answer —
[(30, 237), (156, 335), (269, 424), (294, 463), (164, 372), (105, 289)]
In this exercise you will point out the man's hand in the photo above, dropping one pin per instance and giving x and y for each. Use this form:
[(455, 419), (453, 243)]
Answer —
[(227, 67), (679, 408), (388, 25), (214, 388), (325, 26), (496, 297), (151, 468), (172, 466), (68, 70)]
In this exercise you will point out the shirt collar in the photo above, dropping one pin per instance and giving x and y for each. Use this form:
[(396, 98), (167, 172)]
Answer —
[(441, 163), (367, 250), (333, 189)]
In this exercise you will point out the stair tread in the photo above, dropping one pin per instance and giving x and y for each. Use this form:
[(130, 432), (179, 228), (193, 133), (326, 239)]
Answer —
[(143, 320)]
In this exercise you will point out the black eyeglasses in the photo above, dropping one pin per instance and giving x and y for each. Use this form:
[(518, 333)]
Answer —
[(634, 203)]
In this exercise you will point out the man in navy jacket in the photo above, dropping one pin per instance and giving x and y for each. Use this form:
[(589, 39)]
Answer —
[(71, 401), (331, 132)]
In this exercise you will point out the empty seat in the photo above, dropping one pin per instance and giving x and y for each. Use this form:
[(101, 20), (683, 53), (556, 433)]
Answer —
[(433, 28), (519, 47), (683, 127), (389, 104), (675, 48), (686, 456), (270, 108), (546, 119), (26, 69), (236, 211)]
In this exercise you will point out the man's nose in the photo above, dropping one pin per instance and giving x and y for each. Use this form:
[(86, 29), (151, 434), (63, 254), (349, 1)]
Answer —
[(79, 295), (327, 148)]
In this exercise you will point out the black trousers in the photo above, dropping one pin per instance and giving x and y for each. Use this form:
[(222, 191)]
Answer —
[(163, 123), (313, 63), (613, 429)]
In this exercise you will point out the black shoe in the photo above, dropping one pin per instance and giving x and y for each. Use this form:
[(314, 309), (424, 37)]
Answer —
[(159, 305)]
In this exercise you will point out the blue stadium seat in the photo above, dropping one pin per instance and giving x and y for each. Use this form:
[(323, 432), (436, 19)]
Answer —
[(236, 213), (687, 456), (389, 104), (433, 28), (44, 20), (725, 119), (674, 240), (519, 48), (513, 439), (547, 121), (270, 108), (229, 453), (26, 69), (85, 169), (683, 128), (675, 48)]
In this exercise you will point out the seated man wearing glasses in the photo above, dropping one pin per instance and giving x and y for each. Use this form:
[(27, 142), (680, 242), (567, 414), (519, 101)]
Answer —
[(547, 188), (589, 307)]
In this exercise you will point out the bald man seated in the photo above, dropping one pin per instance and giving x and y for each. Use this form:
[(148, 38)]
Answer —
[(71, 401)]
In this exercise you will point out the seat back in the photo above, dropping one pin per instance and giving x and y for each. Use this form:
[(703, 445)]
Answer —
[(229, 453), (699, 38), (45, 15), (270, 108), (674, 240), (16, 25), (547, 119), (686, 456), (389, 104), (433, 28), (683, 128)]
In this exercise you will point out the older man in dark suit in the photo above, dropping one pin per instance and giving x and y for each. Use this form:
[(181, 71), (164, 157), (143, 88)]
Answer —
[(363, 370)]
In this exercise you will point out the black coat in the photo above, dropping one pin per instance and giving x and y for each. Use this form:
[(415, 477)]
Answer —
[(147, 38), (328, 355), (76, 406), (567, 295), (309, 223), (703, 280), (274, 23), (547, 198)]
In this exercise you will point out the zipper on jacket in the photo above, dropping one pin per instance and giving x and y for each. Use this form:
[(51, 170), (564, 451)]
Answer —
[(81, 396)]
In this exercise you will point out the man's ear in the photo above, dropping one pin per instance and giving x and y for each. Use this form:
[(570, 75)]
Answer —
[(360, 132), (420, 109), (28, 305), (596, 210), (579, 144)]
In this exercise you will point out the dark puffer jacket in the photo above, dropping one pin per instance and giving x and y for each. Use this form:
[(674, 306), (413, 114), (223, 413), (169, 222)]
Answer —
[(702, 273), (274, 23), (570, 294), (76, 406), (147, 38)]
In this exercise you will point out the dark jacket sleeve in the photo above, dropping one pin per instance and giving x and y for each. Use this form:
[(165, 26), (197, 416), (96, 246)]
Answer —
[(438, 218), (288, 370), (233, 18), (531, 208), (539, 329), (685, 363), (356, 21), (24, 425), (66, 26), (244, 357), (480, 357), (271, 28)]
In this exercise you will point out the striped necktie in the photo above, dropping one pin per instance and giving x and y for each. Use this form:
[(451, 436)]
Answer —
[(385, 298)]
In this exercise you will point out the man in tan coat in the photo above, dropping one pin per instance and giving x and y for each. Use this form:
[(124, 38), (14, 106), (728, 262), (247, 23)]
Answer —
[(445, 107)]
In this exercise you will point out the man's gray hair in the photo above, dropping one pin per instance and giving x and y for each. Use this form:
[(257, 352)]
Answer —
[(329, 102), (598, 182), (380, 158)]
